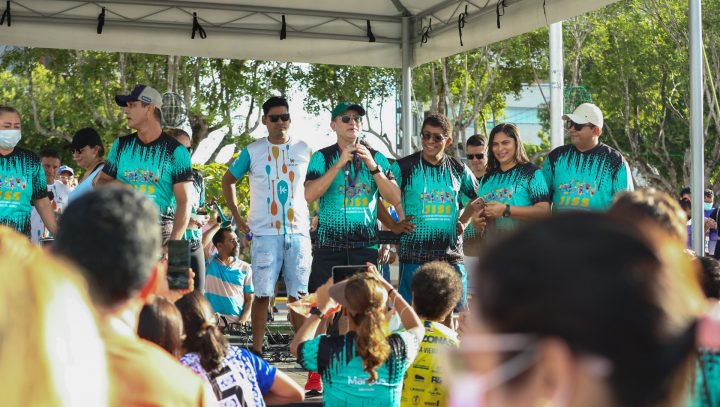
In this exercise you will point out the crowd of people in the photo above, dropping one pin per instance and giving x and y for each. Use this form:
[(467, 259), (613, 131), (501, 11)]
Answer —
[(518, 285)]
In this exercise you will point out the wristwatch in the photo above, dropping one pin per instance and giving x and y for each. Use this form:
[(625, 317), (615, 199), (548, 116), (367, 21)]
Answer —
[(376, 170), (506, 212), (316, 311)]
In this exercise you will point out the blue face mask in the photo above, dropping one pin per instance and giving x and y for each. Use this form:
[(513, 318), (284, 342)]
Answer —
[(707, 206)]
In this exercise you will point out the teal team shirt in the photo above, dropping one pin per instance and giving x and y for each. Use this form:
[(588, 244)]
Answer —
[(522, 185), (22, 181), (585, 180), (151, 169), (197, 201), (432, 194), (345, 381), (348, 209)]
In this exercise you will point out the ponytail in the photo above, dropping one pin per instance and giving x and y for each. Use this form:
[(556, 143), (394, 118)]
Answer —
[(212, 346), (372, 344)]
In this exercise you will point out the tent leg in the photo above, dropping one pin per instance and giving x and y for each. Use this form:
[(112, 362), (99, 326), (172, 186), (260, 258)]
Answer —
[(697, 184), (406, 96), (557, 73)]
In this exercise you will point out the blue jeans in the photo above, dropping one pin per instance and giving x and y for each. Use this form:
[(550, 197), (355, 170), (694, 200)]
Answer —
[(407, 271), (291, 254)]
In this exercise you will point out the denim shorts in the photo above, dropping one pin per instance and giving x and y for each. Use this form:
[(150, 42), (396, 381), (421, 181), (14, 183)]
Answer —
[(291, 254)]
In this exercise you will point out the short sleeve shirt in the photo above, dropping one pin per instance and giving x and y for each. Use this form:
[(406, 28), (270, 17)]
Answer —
[(226, 286), (348, 209), (423, 384), (22, 181), (345, 381), (432, 194), (585, 180), (522, 185), (277, 187), (242, 380), (151, 169)]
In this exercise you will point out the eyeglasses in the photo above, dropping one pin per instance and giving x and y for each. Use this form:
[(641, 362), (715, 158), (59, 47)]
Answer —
[(347, 118), (438, 138), (275, 117), (475, 156), (572, 125)]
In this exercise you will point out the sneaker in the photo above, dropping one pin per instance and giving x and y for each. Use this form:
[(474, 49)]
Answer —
[(313, 386)]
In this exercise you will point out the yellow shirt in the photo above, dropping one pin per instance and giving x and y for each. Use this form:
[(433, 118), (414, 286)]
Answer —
[(423, 385)]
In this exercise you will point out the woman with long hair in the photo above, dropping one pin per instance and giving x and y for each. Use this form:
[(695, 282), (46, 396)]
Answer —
[(365, 366), (595, 312), (253, 382), (161, 323), (514, 190)]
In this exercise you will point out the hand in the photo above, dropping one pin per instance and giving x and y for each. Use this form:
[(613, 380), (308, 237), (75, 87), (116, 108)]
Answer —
[(364, 154), (403, 226), (479, 221), (313, 223), (478, 204), (392, 257), (212, 216), (173, 295), (372, 269), (346, 156), (322, 295), (494, 209)]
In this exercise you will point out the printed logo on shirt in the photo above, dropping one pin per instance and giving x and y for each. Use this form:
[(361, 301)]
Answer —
[(142, 180), (573, 193), (356, 196), (437, 202), (500, 194), (11, 188)]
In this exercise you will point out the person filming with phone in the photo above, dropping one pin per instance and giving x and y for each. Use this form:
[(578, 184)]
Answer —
[(365, 366)]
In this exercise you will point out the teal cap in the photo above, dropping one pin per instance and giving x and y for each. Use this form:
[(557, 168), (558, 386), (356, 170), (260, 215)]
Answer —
[(343, 107)]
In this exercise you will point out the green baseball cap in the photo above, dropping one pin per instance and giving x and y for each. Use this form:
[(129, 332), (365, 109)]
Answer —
[(343, 107)]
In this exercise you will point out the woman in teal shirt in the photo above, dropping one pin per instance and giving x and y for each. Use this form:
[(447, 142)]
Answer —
[(363, 367), (513, 189)]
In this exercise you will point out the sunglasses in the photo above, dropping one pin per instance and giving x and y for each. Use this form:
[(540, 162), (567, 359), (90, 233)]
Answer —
[(275, 117), (347, 118), (436, 137), (572, 125), (475, 156)]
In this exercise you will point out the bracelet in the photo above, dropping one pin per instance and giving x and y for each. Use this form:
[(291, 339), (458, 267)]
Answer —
[(376, 170), (390, 291)]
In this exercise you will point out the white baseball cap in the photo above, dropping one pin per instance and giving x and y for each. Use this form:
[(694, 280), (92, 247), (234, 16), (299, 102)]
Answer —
[(586, 113)]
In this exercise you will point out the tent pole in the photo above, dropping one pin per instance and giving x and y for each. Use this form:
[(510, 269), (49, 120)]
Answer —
[(696, 126), (557, 73), (406, 96)]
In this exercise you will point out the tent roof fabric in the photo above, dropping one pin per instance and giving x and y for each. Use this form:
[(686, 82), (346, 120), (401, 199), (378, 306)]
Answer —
[(318, 31)]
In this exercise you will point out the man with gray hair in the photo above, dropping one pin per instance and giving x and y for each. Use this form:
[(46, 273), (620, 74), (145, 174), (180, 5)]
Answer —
[(151, 162)]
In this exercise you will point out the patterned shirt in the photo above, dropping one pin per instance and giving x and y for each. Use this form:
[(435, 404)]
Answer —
[(348, 209), (585, 180), (197, 201), (152, 169), (423, 384), (242, 380), (22, 181), (522, 185), (345, 381), (432, 194), (277, 189)]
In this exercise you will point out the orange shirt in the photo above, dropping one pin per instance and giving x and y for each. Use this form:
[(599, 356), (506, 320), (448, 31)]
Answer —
[(143, 374)]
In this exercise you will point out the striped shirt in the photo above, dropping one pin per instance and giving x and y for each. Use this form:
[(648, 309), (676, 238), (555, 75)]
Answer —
[(225, 286)]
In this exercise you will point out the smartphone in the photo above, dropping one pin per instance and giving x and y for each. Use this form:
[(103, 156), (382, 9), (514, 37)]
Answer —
[(341, 273), (178, 264)]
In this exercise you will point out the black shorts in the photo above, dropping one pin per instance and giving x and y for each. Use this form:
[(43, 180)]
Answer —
[(324, 260)]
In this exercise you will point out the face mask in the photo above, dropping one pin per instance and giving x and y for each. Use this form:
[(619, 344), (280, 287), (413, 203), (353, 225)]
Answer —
[(707, 206), (9, 138)]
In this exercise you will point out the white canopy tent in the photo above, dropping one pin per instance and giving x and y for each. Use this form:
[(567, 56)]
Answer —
[(318, 31)]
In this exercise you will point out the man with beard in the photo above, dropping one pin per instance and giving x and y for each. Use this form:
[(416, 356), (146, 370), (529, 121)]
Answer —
[(228, 279)]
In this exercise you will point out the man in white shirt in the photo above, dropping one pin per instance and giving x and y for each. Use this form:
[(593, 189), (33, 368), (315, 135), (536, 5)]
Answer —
[(50, 160), (279, 222)]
